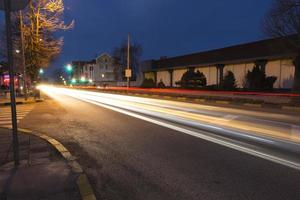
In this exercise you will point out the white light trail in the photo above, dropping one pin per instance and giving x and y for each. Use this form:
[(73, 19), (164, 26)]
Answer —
[(161, 116)]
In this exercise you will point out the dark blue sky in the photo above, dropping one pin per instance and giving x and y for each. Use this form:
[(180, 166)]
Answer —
[(163, 27)]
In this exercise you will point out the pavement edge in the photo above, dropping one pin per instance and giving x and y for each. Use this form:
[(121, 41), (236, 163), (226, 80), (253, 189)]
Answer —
[(82, 182), (22, 102)]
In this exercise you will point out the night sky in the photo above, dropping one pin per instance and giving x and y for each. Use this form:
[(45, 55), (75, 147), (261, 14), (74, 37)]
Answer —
[(163, 27)]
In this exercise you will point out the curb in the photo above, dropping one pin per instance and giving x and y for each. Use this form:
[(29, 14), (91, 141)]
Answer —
[(22, 102), (82, 182)]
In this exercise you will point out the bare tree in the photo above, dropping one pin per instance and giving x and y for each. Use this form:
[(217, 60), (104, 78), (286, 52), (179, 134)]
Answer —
[(41, 20), (283, 20), (120, 60)]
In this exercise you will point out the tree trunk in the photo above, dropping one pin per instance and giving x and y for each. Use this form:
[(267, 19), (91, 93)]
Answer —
[(296, 86)]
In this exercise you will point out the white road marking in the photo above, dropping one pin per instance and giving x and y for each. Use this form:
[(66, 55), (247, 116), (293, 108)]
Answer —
[(5, 114), (230, 117)]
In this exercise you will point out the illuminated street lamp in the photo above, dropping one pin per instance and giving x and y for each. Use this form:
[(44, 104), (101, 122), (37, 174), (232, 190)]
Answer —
[(69, 68), (73, 81), (90, 81), (41, 71), (17, 51), (82, 79)]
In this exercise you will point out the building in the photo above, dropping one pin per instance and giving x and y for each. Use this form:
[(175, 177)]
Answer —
[(276, 56), (99, 71), (104, 71), (83, 71)]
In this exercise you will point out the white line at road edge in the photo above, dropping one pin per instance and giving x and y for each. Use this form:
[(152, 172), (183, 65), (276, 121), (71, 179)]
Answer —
[(265, 156)]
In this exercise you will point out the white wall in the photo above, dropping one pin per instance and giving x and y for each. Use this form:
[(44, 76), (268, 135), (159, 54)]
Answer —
[(165, 77), (240, 73), (212, 75), (287, 74), (273, 68), (177, 74), (206, 72), (282, 69)]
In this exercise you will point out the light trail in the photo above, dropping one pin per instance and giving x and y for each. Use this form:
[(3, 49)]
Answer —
[(194, 122)]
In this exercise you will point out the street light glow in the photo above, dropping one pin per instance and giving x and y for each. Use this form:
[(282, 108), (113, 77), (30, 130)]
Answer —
[(69, 67), (82, 79), (41, 71)]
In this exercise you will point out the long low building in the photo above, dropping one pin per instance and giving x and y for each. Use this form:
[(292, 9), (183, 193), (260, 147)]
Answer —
[(276, 56)]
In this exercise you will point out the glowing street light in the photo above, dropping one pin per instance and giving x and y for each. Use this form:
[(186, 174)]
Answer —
[(41, 71), (82, 79), (90, 81), (73, 81), (69, 68)]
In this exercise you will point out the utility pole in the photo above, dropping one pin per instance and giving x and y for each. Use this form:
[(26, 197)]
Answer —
[(128, 62), (23, 55), (7, 6)]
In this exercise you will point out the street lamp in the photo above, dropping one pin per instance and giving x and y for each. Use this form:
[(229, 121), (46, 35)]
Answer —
[(10, 6), (17, 51), (73, 81), (69, 68), (41, 71), (82, 79)]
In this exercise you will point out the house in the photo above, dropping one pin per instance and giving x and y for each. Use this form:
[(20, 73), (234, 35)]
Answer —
[(274, 55), (104, 69), (83, 71), (98, 71)]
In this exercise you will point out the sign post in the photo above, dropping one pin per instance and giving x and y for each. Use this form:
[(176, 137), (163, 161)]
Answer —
[(128, 70), (8, 6)]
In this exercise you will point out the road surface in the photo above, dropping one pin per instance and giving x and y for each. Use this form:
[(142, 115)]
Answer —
[(141, 148)]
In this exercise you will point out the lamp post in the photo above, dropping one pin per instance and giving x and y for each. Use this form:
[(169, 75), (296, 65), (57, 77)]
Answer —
[(8, 6), (23, 55), (69, 69)]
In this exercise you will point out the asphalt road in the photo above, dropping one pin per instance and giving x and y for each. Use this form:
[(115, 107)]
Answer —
[(131, 158)]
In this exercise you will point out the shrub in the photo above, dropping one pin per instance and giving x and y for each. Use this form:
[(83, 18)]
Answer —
[(229, 82), (148, 83), (257, 79), (192, 79), (161, 84)]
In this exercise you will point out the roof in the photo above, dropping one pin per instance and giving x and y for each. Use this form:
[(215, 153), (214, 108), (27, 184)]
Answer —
[(103, 54), (265, 49), (80, 63)]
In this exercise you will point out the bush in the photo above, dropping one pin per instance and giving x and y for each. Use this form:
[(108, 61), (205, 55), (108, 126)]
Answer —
[(148, 83), (257, 79), (161, 84), (229, 82), (192, 79)]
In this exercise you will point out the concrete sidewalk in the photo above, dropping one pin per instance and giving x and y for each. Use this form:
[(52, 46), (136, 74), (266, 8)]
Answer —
[(43, 173), (4, 101)]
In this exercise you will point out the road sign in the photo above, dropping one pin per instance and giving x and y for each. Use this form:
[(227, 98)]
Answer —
[(15, 4), (128, 73)]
